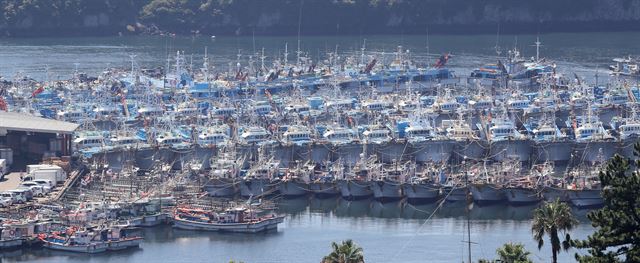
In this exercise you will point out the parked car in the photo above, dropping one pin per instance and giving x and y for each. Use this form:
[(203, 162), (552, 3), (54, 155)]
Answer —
[(27, 194), (5, 201), (15, 197), (45, 182), (36, 189)]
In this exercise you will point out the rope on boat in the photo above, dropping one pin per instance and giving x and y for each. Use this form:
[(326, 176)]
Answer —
[(406, 243)]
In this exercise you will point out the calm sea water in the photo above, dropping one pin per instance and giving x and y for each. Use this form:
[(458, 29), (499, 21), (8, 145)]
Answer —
[(393, 232), (582, 53), (390, 232)]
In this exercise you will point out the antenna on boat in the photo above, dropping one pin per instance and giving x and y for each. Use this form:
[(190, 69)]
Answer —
[(497, 47), (205, 64), (133, 57), (253, 36), (299, 26), (362, 49), (466, 178), (427, 40), (286, 53), (538, 44), (262, 57)]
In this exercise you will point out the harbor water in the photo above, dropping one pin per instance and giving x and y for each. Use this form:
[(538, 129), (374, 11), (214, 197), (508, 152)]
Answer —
[(388, 232), (585, 54)]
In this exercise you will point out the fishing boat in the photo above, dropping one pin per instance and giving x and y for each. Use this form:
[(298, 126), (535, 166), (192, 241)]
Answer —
[(259, 180), (422, 187), (467, 142), (238, 220), (323, 183), (522, 190), (593, 141), (344, 143), (505, 140), (90, 240), (628, 130), (584, 188), (388, 186), (487, 183), (223, 179), (549, 142), (295, 182), (356, 183)]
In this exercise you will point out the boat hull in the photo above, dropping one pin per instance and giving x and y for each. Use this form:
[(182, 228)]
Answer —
[(263, 225), (386, 191), (522, 196), (551, 194), (501, 150), (388, 152), (594, 151), (255, 187), (627, 147), (221, 187), (559, 152), (487, 194), (99, 247), (11, 243), (473, 149), (435, 151), (421, 193), (349, 153), (585, 198), (292, 189), (454, 194), (355, 190), (323, 189)]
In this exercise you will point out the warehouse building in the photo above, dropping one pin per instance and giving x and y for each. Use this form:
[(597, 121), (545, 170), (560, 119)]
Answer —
[(27, 139)]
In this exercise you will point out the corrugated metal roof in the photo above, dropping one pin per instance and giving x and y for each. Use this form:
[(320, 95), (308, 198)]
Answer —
[(23, 122)]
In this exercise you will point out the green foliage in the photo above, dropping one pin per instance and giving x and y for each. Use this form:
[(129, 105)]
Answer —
[(346, 252), (549, 220), (513, 253), (319, 16), (617, 235)]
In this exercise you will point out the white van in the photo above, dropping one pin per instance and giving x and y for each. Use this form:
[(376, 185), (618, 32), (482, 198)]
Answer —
[(15, 197), (26, 194), (44, 182)]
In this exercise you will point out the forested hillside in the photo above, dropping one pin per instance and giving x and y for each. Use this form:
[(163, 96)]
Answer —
[(281, 17)]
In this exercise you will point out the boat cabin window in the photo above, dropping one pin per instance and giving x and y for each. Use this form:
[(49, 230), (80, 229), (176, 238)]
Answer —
[(503, 131), (90, 141), (421, 132), (631, 128), (546, 133)]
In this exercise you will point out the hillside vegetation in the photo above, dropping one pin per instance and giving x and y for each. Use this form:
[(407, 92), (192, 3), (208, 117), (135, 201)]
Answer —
[(245, 17)]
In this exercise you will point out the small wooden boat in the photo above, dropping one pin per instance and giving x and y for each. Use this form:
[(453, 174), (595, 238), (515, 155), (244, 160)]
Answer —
[(239, 219), (90, 241)]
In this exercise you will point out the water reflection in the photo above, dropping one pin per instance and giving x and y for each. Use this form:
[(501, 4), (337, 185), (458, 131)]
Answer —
[(401, 209)]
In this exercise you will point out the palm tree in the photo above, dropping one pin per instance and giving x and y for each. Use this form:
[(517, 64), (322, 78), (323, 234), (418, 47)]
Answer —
[(347, 252), (549, 219), (513, 253)]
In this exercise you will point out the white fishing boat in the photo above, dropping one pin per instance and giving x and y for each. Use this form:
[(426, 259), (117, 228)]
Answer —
[(238, 220), (91, 241)]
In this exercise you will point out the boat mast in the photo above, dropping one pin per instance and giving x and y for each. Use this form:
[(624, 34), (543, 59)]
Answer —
[(538, 44), (205, 64), (298, 52), (466, 178)]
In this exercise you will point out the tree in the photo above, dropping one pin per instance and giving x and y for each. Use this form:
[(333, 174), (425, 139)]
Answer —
[(347, 252), (617, 223), (513, 253), (550, 219)]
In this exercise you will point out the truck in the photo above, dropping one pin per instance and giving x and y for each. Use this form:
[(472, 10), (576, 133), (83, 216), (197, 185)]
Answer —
[(53, 173)]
